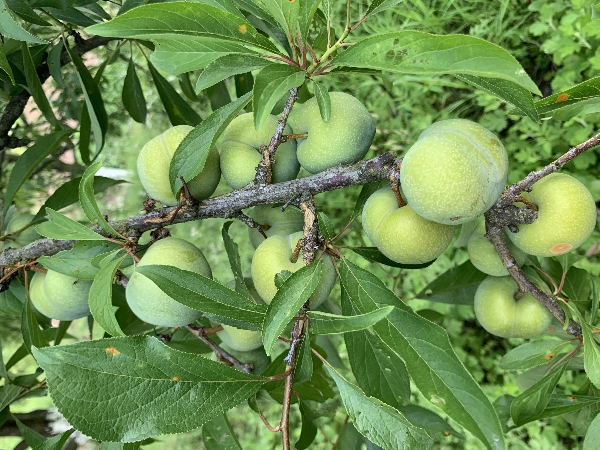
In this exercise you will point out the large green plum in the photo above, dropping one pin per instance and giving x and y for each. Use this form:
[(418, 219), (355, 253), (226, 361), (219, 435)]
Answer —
[(344, 139), (240, 152), (501, 315), (566, 217), (400, 233), (455, 171), (153, 167), (60, 296), (26, 236), (484, 256), (274, 255), (274, 221), (148, 301)]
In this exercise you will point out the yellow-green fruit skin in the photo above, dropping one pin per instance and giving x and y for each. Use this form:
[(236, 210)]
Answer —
[(145, 298), (25, 237), (274, 221), (566, 217), (344, 139), (153, 168), (400, 233), (484, 256), (240, 340), (240, 151), (455, 171), (60, 296), (501, 315), (273, 256)]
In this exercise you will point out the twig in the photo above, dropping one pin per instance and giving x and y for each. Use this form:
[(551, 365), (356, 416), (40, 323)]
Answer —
[(221, 354)]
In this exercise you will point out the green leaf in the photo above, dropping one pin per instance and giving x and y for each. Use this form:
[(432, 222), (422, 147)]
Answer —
[(59, 4), (189, 158), (88, 202), (3, 371), (142, 387), (285, 13), (303, 371), (55, 442), (272, 83), (54, 65), (323, 101), (526, 406), (308, 433), (68, 193), (533, 354), (326, 226), (130, 4), (77, 262), (31, 437), (235, 263), (457, 286), (227, 66), (178, 110), (61, 227), (93, 100), (428, 420), (29, 161), (382, 424), (326, 323), (589, 106), (4, 65), (133, 95), (591, 354), (592, 436), (203, 294), (30, 328), (581, 92), (26, 12), (506, 90), (10, 28), (378, 6), (429, 357), (8, 393), (100, 298), (373, 254), (564, 404), (578, 285), (418, 53), (288, 300), (218, 435), (34, 86), (364, 195), (307, 11), (183, 21)]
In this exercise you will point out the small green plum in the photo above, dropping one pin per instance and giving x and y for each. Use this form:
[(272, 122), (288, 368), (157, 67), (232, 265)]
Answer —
[(274, 255), (240, 340), (566, 217), (344, 139), (240, 153), (60, 296), (484, 256), (401, 234), (153, 164), (148, 301), (26, 236), (274, 221), (454, 172), (501, 315)]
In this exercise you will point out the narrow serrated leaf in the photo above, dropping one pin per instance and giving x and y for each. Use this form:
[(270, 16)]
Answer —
[(235, 263), (218, 435), (8, 393), (4, 64), (307, 11), (326, 225), (288, 300), (30, 328), (373, 254), (143, 387), (581, 92), (54, 65), (456, 286), (227, 66), (55, 442), (326, 323), (272, 83), (533, 354), (10, 28), (100, 298), (323, 101), (133, 95), (26, 12), (378, 6), (88, 202), (61, 227), (592, 436), (285, 12), (77, 262), (34, 86), (591, 354)]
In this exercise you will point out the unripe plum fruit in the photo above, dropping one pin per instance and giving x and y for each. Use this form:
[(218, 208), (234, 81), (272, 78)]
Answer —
[(344, 139), (60, 296), (484, 256), (26, 236), (501, 315), (455, 171), (240, 340), (274, 221), (153, 168), (148, 301), (240, 153), (273, 256), (566, 217), (401, 234)]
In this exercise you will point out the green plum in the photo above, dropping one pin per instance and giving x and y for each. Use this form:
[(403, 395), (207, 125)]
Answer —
[(240, 153), (240, 340), (60, 296), (26, 236), (274, 221), (274, 255), (455, 171), (484, 256), (344, 139), (400, 233), (148, 301), (501, 315), (566, 217), (153, 168)]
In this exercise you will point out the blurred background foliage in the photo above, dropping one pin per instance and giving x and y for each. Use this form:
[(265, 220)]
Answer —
[(556, 41)]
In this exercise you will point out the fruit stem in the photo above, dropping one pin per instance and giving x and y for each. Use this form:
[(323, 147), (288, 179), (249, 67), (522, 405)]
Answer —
[(222, 355), (528, 203)]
